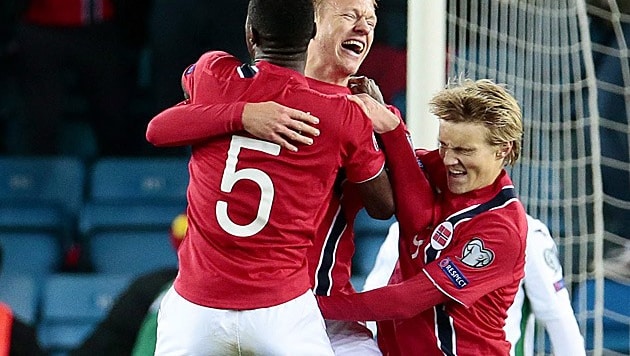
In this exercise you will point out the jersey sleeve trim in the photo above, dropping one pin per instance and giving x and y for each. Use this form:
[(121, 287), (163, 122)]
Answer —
[(441, 289)]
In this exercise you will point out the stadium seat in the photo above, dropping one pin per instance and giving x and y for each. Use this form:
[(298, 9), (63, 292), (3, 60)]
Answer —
[(21, 293), (133, 253), (36, 254), (40, 194), (138, 180), (96, 218), (134, 194), (128, 211), (616, 314), (73, 305)]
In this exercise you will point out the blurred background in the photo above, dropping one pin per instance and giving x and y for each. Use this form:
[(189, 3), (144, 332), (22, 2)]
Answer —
[(87, 205)]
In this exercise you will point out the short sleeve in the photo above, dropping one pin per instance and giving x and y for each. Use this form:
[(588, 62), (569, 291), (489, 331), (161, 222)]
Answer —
[(487, 255), (362, 156)]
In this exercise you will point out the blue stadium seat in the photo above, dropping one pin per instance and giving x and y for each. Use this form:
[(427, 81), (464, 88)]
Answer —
[(73, 305), (128, 212), (21, 293), (96, 218), (616, 314), (40, 194), (32, 253), (133, 253), (134, 180)]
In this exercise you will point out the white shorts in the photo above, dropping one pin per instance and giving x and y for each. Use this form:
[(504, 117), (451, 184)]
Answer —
[(292, 328), (350, 338)]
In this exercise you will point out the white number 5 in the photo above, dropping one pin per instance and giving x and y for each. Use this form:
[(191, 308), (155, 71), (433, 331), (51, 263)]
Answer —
[(231, 176)]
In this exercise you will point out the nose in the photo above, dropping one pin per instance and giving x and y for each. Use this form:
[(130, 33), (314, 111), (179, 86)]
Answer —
[(449, 157), (362, 26)]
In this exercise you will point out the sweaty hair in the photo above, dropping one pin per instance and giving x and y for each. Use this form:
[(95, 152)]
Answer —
[(484, 102), (287, 23)]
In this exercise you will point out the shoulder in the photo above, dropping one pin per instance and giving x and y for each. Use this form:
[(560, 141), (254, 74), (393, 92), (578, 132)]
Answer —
[(505, 226), (217, 63)]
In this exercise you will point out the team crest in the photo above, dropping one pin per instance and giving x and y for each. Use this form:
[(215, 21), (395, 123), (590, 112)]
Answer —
[(442, 236), (551, 258), (475, 255)]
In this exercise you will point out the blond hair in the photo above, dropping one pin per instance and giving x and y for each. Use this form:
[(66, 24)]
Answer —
[(484, 102), (319, 4)]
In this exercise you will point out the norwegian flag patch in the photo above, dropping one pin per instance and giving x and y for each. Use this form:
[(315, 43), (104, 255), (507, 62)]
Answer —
[(442, 236)]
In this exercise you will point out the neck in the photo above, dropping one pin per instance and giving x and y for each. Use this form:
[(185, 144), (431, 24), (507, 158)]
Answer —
[(283, 58), (328, 75)]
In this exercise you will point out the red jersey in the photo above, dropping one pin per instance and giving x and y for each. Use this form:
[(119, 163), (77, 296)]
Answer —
[(460, 263), (473, 252), (252, 206), (330, 258), (69, 12)]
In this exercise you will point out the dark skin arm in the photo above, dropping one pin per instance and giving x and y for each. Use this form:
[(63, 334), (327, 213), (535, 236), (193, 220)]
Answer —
[(377, 197)]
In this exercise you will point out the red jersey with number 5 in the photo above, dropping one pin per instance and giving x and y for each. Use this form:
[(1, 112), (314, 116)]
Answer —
[(252, 206)]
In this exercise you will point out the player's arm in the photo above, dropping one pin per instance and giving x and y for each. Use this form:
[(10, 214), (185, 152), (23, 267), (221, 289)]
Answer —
[(550, 301), (187, 123), (377, 196), (412, 191), (397, 301)]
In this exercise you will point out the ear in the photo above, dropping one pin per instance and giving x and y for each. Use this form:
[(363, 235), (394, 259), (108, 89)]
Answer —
[(504, 150)]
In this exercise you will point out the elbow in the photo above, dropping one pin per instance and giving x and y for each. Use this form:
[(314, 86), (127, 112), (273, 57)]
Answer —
[(382, 211), (150, 135), (153, 136)]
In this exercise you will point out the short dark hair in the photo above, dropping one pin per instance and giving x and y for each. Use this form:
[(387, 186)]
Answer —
[(287, 23)]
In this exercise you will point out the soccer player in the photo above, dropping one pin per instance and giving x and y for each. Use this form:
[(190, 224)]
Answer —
[(343, 39), (243, 284), (461, 257), (542, 295)]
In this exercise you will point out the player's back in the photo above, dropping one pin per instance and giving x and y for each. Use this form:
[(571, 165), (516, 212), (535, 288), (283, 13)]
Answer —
[(252, 205)]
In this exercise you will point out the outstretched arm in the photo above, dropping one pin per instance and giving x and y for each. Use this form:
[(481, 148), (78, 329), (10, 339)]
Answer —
[(396, 301), (187, 124)]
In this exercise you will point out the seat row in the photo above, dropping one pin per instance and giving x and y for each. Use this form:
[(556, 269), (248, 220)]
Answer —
[(118, 209), (64, 309)]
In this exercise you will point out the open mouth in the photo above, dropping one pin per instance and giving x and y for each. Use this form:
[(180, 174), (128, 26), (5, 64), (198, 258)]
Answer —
[(353, 45)]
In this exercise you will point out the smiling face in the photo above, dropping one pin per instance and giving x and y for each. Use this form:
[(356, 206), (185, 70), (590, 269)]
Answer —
[(345, 31), (471, 162)]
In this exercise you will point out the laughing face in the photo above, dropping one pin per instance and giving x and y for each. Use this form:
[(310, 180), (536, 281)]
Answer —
[(470, 161), (345, 31)]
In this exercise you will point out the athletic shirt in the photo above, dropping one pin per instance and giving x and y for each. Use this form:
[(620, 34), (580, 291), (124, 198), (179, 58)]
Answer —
[(72, 13), (6, 325), (543, 297), (252, 206), (473, 252), (330, 258)]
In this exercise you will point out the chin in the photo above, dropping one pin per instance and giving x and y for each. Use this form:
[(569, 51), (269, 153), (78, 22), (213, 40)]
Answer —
[(458, 188)]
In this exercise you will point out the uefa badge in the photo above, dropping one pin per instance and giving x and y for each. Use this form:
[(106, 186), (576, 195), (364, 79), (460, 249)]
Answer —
[(476, 255), (442, 236)]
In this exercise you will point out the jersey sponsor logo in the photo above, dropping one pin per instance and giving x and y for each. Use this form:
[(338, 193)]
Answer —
[(454, 274), (442, 236), (551, 259), (475, 255), (559, 285)]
